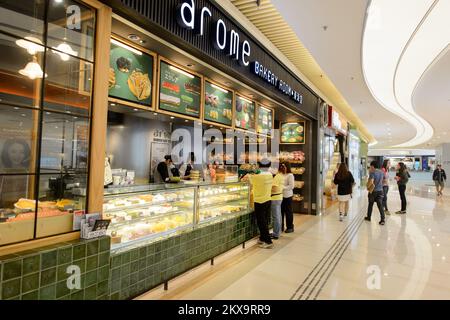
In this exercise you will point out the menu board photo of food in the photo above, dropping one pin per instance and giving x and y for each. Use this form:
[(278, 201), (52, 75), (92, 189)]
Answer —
[(245, 113), (130, 74), (179, 91), (218, 104), (265, 120), (293, 132)]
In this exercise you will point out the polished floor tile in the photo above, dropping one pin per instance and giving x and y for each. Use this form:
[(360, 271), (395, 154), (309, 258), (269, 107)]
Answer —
[(408, 258)]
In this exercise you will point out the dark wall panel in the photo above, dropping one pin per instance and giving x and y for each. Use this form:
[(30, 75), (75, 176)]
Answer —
[(159, 17)]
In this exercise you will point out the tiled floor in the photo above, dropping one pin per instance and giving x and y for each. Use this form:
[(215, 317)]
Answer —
[(408, 258)]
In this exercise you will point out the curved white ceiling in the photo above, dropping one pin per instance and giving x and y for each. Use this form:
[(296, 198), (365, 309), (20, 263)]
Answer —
[(337, 49), (401, 41)]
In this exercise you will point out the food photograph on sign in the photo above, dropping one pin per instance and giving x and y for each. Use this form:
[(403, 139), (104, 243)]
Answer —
[(265, 120), (218, 104), (179, 91), (293, 132), (130, 74), (245, 113)]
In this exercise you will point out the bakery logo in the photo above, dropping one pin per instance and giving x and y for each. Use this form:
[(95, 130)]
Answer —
[(228, 41), (270, 77)]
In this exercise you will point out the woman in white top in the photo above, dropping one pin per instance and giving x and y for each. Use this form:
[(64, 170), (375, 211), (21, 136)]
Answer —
[(288, 193)]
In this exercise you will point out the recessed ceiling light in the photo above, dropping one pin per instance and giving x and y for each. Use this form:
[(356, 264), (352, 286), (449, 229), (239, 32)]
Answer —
[(16, 108), (186, 120), (190, 65), (142, 41), (155, 114), (172, 118), (113, 104), (136, 109), (134, 37)]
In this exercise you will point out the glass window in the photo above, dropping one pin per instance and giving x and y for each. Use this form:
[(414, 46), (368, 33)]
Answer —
[(71, 28), (68, 85), (17, 208), (60, 196), (18, 129), (65, 143), (23, 18), (20, 73)]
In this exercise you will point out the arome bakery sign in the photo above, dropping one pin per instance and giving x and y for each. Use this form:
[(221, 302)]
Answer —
[(229, 42)]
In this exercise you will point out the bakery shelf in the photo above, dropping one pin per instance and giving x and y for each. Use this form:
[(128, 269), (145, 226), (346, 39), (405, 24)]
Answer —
[(146, 205), (146, 218)]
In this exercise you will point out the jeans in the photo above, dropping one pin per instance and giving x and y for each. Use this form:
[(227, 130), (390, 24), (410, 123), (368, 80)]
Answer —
[(286, 211), (262, 211), (402, 191), (276, 217), (385, 191), (376, 196)]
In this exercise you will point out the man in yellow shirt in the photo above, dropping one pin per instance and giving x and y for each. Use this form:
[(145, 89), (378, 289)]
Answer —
[(277, 198), (262, 193)]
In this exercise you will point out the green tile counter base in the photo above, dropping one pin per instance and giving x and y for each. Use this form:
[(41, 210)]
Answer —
[(44, 273), (141, 269)]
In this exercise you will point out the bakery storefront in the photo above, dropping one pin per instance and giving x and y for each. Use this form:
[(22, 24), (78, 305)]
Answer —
[(93, 97)]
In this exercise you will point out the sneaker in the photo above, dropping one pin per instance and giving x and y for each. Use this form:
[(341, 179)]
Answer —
[(341, 217), (289, 230), (367, 219), (260, 242), (266, 245), (387, 212), (400, 212), (272, 236), (382, 222)]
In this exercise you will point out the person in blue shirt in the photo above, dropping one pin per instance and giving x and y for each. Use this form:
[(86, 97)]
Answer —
[(375, 188)]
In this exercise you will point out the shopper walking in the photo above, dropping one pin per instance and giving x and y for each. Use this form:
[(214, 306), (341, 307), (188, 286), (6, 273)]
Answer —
[(287, 213), (385, 169), (277, 198), (344, 181), (402, 178), (262, 191), (439, 178), (375, 188)]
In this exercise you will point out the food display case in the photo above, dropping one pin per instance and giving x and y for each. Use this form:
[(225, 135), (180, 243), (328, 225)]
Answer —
[(221, 201), (147, 213), (144, 214)]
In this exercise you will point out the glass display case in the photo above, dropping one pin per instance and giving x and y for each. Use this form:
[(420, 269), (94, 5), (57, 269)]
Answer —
[(146, 213), (143, 214), (220, 201)]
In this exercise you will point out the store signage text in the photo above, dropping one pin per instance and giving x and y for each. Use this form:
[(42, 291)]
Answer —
[(271, 78), (229, 41), (223, 39)]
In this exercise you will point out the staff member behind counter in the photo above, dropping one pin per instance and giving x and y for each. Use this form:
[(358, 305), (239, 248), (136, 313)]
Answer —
[(165, 170), (189, 166)]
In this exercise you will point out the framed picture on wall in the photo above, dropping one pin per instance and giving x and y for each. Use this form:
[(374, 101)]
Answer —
[(180, 90), (265, 120), (293, 132), (132, 74), (218, 106), (245, 113)]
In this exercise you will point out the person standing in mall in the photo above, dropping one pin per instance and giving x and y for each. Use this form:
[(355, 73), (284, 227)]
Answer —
[(439, 178), (385, 169), (262, 192), (344, 181), (375, 188), (277, 198), (402, 178), (288, 192)]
